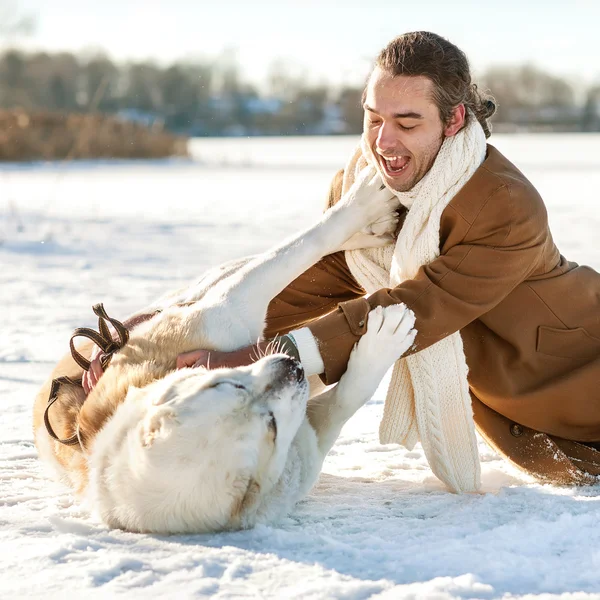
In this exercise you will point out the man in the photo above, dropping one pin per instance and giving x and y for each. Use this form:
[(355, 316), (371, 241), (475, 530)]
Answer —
[(526, 320)]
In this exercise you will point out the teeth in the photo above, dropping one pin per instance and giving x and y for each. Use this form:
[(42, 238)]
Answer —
[(389, 159)]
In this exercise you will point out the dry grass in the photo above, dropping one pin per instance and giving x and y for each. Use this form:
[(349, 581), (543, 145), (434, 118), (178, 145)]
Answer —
[(55, 136)]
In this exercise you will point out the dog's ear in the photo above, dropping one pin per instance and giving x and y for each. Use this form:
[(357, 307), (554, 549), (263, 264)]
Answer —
[(154, 426)]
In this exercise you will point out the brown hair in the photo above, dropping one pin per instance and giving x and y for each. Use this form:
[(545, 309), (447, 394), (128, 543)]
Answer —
[(424, 53)]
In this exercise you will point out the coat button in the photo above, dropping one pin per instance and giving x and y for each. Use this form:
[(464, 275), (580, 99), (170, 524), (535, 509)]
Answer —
[(516, 430), (361, 323)]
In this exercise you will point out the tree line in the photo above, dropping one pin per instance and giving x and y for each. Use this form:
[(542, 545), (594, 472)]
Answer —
[(212, 98)]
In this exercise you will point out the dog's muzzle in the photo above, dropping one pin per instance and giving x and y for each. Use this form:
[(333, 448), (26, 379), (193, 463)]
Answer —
[(291, 369)]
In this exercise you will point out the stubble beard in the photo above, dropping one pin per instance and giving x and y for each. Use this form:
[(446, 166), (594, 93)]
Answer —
[(432, 152)]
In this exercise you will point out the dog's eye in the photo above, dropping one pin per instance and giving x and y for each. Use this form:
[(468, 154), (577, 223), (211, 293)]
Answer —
[(233, 384), (273, 424)]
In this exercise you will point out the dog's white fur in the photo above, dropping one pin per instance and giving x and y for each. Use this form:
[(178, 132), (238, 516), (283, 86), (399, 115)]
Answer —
[(194, 450)]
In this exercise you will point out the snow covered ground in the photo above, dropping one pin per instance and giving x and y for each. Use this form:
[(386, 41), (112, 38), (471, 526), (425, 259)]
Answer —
[(378, 524)]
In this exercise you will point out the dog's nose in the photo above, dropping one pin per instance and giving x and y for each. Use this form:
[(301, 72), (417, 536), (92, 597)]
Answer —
[(294, 368)]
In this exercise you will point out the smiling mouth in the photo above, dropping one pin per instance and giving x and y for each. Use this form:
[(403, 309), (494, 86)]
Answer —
[(394, 165)]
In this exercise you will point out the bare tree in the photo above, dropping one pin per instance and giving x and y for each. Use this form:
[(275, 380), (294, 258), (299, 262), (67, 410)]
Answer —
[(527, 93), (590, 120)]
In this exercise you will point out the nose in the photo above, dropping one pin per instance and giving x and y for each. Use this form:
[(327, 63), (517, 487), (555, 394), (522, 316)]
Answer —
[(386, 140), (293, 368)]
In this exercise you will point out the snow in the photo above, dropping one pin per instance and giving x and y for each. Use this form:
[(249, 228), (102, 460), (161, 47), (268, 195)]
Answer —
[(378, 524)]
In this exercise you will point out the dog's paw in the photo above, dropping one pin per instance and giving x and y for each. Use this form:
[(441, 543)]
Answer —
[(363, 240), (379, 233), (369, 196), (385, 225), (390, 333)]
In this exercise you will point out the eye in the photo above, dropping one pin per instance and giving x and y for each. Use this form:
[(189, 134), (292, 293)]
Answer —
[(229, 383), (407, 128), (273, 424)]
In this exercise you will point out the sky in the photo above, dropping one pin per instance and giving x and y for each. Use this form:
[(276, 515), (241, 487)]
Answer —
[(330, 41)]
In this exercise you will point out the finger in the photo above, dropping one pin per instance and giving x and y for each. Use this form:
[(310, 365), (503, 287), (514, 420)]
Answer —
[(187, 359), (96, 370), (182, 361), (202, 360), (92, 379), (85, 384)]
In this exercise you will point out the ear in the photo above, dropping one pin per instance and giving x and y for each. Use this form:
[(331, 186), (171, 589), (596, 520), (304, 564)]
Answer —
[(155, 426), (457, 121)]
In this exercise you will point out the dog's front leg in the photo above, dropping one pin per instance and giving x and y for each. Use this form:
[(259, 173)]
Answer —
[(239, 302), (389, 335)]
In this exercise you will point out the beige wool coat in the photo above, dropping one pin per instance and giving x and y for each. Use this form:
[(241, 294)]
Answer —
[(528, 317)]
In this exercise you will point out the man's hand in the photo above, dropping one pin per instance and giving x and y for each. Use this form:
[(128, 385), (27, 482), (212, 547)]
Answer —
[(212, 359), (90, 378)]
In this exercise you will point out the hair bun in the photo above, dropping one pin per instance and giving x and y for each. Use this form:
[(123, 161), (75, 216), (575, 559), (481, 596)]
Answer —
[(490, 106)]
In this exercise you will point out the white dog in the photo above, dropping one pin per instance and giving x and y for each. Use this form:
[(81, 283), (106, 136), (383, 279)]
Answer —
[(193, 450)]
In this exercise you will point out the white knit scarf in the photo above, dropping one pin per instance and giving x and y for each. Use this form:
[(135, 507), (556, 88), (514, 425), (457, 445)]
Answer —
[(428, 397)]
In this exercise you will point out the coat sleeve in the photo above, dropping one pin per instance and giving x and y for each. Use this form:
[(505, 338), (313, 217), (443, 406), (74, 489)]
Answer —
[(500, 248), (318, 291)]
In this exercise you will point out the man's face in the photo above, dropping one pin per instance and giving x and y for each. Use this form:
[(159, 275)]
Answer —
[(402, 126)]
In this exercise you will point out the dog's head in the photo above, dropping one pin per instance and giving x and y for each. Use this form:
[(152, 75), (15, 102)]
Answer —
[(198, 450)]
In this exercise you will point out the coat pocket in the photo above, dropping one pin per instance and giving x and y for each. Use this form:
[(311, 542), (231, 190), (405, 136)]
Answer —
[(576, 343)]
